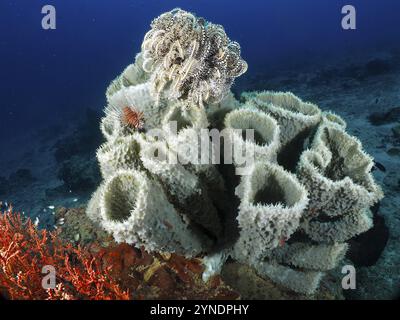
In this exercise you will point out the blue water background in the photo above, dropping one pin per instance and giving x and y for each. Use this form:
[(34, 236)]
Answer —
[(47, 76)]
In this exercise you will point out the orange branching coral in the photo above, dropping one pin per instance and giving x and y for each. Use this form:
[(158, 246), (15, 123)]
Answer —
[(132, 118), (162, 275), (25, 250)]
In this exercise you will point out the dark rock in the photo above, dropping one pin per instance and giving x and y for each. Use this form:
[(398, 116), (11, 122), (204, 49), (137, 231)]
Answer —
[(84, 140), (80, 173), (350, 73), (393, 152), (47, 134), (323, 77), (3, 185), (366, 248), (375, 208), (378, 166), (57, 192), (377, 67), (396, 131), (21, 177), (380, 118), (3, 296), (392, 180), (17, 180), (251, 286), (75, 154)]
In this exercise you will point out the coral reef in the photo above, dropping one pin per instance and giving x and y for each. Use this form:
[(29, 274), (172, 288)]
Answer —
[(25, 250), (147, 276), (308, 192), (93, 266)]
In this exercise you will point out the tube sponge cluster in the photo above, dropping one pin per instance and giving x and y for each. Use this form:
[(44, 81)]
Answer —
[(336, 184), (307, 192)]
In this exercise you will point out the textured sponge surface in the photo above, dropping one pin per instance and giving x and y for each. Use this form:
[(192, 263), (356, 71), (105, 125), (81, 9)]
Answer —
[(306, 192)]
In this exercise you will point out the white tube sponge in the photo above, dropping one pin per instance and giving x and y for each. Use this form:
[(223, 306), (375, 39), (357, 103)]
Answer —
[(216, 112), (135, 210), (265, 140), (112, 125), (192, 148), (182, 131), (109, 128), (93, 207), (156, 158), (185, 117), (139, 98), (183, 186), (132, 75), (187, 145), (305, 282), (321, 257), (293, 115), (336, 172), (122, 153), (340, 229), (330, 118), (272, 203)]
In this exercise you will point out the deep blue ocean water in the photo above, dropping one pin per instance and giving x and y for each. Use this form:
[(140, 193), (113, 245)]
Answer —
[(51, 77), (48, 75)]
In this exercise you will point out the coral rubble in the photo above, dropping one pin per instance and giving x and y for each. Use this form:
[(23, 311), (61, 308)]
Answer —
[(307, 193), (146, 275)]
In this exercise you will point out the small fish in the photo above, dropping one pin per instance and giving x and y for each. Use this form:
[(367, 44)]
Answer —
[(378, 166), (167, 224), (3, 205)]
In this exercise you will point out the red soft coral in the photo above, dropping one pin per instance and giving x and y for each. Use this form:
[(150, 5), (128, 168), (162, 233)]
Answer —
[(24, 250)]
